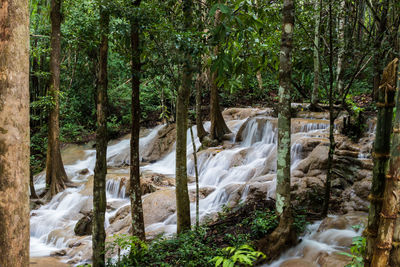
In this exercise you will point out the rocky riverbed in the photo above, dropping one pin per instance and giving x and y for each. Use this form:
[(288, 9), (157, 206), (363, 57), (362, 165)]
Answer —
[(241, 168)]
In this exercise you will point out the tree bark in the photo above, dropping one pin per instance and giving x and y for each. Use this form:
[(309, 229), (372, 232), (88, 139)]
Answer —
[(341, 44), (135, 189), (56, 176), (14, 133), (381, 28), (332, 144), (395, 252), (200, 81), (281, 237), (100, 171), (182, 194), (390, 206), (381, 156), (197, 178), (218, 126), (315, 92)]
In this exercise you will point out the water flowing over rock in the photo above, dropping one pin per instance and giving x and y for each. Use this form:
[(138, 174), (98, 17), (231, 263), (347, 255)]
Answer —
[(242, 168)]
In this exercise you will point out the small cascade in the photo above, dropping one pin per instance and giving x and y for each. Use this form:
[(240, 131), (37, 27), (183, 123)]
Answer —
[(309, 127), (320, 243), (116, 189)]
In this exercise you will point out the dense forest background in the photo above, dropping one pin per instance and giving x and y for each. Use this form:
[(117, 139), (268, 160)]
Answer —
[(247, 62)]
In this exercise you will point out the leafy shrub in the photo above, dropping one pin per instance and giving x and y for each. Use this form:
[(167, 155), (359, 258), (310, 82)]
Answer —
[(244, 255), (357, 252)]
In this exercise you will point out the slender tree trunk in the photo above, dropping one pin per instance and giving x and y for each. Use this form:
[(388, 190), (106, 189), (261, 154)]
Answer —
[(135, 189), (32, 191), (282, 235), (197, 177), (390, 206), (100, 171), (14, 133), (341, 44), (381, 28), (315, 92), (331, 119), (381, 156), (201, 132), (182, 194), (218, 126), (56, 176)]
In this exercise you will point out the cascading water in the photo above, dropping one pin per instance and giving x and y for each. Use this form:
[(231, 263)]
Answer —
[(227, 171)]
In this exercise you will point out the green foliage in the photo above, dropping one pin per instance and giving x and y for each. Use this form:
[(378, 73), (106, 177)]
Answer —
[(232, 256), (357, 252), (188, 249), (263, 223), (134, 249)]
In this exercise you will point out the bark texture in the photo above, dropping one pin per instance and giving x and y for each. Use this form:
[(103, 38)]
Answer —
[(381, 156), (200, 82), (56, 176), (182, 194), (100, 171), (391, 197), (282, 235), (14, 133), (395, 252), (197, 177), (315, 92), (218, 126), (135, 190), (332, 144)]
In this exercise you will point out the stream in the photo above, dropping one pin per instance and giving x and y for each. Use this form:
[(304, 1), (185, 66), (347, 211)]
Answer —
[(228, 174)]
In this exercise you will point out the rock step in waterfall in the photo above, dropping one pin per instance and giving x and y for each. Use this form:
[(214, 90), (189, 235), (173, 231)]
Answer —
[(241, 168)]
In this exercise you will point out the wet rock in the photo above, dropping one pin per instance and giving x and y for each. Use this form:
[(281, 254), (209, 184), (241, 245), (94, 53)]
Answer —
[(84, 225), (161, 145), (203, 193), (333, 260), (47, 262), (58, 253), (346, 221), (84, 171), (317, 160), (298, 263)]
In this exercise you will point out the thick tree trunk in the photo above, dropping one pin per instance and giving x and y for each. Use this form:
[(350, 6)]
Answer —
[(218, 126), (395, 252), (283, 233), (182, 194), (332, 144), (14, 133), (200, 81), (381, 156), (315, 92), (390, 206), (135, 190), (56, 176), (100, 171)]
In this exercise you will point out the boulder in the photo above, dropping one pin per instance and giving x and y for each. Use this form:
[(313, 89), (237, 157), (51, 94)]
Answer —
[(298, 263), (162, 144), (84, 225)]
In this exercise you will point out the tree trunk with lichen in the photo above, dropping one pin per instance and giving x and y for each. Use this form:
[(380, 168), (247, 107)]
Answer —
[(218, 126), (135, 190), (181, 188), (100, 171), (56, 177), (381, 156), (14, 133), (390, 205), (282, 235)]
